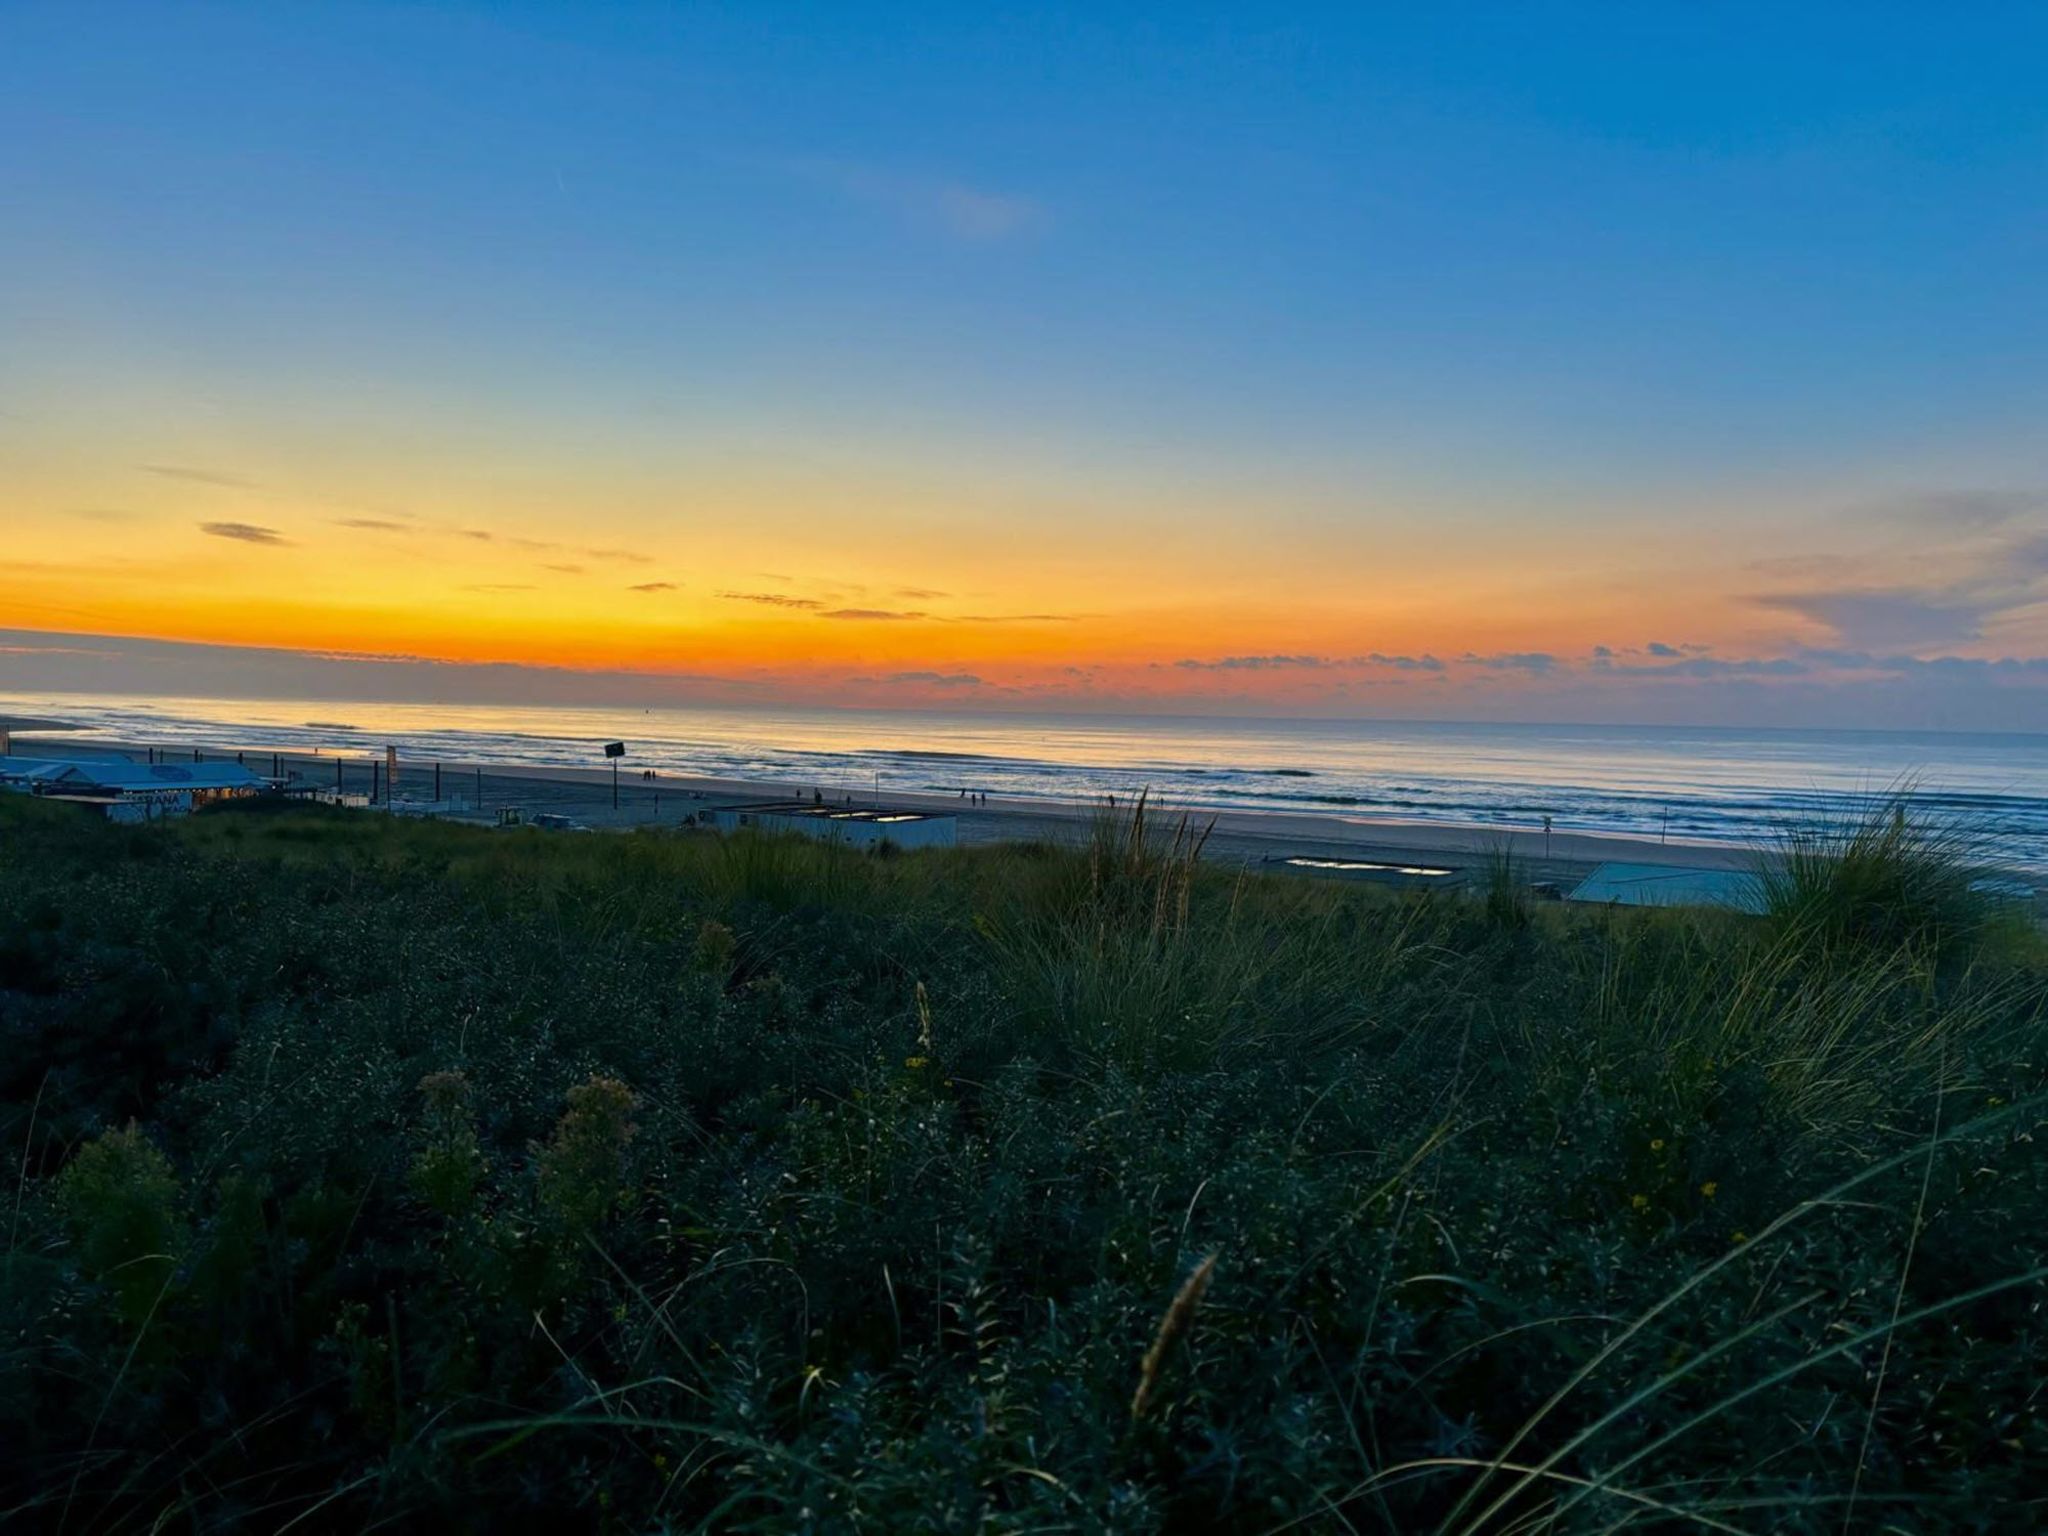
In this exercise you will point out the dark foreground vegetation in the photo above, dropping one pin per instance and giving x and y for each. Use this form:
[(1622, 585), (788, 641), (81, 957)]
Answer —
[(368, 1175)]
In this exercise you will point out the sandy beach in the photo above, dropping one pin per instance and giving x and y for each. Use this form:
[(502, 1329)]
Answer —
[(1257, 838)]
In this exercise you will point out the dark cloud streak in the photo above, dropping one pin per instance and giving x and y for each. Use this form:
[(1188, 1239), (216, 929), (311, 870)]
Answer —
[(772, 599), (246, 533)]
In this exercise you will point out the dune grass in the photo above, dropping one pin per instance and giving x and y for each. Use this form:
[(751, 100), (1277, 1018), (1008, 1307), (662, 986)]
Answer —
[(379, 1173), (1884, 874)]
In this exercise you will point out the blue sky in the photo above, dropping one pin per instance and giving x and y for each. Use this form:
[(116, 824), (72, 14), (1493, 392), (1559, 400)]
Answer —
[(1403, 289)]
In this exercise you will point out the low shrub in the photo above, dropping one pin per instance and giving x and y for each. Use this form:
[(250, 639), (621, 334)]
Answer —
[(371, 1173)]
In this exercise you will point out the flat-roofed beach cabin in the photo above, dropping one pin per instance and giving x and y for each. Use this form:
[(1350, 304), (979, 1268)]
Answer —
[(866, 826), (129, 791), (1670, 885)]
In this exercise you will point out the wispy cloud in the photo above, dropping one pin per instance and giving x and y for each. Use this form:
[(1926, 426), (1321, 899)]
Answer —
[(549, 546), (918, 594), (966, 213), (772, 599), (200, 476), (1258, 664), (1011, 618), (1533, 662), (2009, 575), (1294, 662), (1691, 664), (88, 663), (2000, 668), (1299, 663), (878, 614), (1956, 511), (1423, 663), (936, 679), (372, 524), (247, 533), (566, 570), (102, 514), (652, 586), (1978, 558), (1895, 617), (50, 650)]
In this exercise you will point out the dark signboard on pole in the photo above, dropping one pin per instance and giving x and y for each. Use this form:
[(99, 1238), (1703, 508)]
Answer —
[(615, 750)]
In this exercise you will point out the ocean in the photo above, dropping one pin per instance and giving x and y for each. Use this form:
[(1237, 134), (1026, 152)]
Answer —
[(1683, 783)]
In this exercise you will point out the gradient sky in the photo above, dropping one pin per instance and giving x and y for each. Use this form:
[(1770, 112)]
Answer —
[(1542, 361)]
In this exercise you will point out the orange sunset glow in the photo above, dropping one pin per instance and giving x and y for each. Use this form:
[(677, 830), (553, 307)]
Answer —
[(892, 600)]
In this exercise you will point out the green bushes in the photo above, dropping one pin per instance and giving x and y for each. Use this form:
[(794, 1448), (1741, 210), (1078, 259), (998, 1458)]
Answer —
[(125, 1213), (674, 1183), (580, 1172), (450, 1164)]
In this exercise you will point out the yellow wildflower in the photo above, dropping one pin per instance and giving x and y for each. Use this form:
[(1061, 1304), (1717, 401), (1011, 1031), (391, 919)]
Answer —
[(915, 1062), (1640, 1202), (1657, 1145), (1738, 1237), (1711, 1188)]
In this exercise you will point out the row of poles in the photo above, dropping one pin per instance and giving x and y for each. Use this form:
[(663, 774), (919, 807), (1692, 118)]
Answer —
[(378, 787)]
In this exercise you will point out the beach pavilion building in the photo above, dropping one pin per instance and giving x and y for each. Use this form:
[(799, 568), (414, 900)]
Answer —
[(128, 791)]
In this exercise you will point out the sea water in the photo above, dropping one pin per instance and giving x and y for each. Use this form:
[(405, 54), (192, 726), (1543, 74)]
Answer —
[(1679, 783)]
